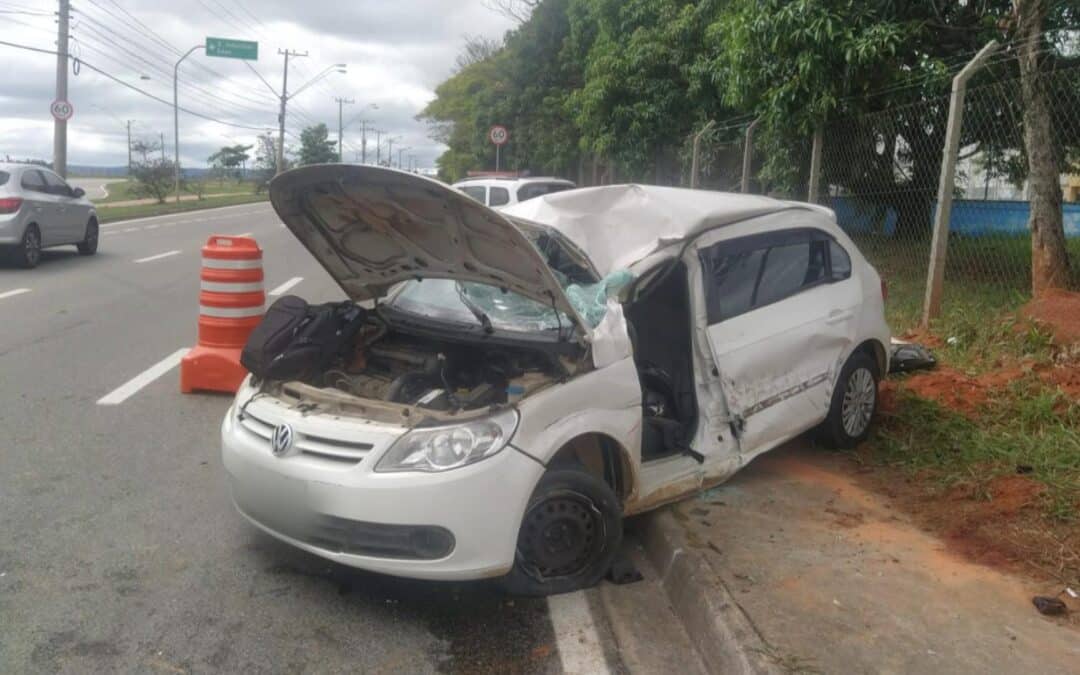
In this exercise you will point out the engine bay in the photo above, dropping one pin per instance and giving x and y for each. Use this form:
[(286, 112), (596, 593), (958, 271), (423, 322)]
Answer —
[(384, 364)]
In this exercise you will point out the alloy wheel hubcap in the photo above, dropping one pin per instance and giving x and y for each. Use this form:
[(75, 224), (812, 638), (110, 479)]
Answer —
[(858, 406), (561, 536)]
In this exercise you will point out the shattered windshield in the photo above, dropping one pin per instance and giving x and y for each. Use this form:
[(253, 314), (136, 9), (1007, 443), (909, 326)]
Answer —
[(477, 303), (442, 299)]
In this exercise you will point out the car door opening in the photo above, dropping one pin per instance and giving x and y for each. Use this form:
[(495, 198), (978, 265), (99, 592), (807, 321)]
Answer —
[(660, 330)]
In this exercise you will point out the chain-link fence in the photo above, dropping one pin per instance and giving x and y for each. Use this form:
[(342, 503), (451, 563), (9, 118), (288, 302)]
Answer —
[(881, 174)]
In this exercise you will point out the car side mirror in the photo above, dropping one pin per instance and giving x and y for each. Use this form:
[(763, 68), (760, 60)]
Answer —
[(78, 192)]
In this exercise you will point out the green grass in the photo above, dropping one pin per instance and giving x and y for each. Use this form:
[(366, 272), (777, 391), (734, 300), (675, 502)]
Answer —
[(1028, 426), (127, 190), (108, 214)]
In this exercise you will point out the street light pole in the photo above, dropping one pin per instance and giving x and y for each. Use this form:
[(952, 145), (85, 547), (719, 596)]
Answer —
[(399, 153), (176, 118), (341, 126), (129, 147)]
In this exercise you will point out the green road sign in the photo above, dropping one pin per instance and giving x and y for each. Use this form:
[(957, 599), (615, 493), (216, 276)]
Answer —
[(232, 49)]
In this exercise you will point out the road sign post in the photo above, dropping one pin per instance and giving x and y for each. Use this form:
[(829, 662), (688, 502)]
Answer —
[(499, 136), (232, 49)]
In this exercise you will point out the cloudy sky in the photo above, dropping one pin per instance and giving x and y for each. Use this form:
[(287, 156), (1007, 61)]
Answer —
[(397, 52)]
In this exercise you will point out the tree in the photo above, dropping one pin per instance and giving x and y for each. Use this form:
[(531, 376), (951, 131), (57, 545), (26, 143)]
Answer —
[(265, 161), (230, 158), (316, 146), (154, 178), (1049, 257), (145, 148)]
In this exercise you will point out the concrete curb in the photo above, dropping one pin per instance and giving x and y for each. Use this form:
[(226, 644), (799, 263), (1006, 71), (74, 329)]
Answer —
[(723, 634)]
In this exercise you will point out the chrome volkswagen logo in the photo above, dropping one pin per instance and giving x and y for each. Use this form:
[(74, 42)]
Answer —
[(282, 440)]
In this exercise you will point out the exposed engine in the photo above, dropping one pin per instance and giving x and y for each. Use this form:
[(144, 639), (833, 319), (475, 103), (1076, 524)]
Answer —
[(435, 375)]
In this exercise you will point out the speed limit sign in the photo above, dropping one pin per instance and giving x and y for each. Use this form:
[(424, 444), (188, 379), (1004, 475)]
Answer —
[(62, 110), (499, 135)]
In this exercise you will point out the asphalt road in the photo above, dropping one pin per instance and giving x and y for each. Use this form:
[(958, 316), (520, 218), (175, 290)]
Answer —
[(120, 550), (96, 188)]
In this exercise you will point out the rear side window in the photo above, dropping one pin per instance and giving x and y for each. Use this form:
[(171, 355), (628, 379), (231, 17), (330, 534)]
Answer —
[(4, 175), (498, 196), (841, 261), (32, 180), (477, 192), (759, 270), (789, 269), (531, 190)]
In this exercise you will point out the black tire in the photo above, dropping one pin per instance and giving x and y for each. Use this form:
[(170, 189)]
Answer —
[(28, 254), (862, 402), (89, 244), (569, 536)]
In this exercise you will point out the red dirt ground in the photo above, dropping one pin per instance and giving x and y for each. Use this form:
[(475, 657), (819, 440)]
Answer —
[(1060, 310), (949, 387)]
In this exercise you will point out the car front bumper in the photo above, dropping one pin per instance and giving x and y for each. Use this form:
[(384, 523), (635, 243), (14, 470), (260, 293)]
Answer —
[(369, 520)]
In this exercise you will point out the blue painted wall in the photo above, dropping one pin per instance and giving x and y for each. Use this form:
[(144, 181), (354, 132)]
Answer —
[(970, 217)]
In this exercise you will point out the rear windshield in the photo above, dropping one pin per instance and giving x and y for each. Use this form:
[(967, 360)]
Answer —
[(477, 192), (4, 175)]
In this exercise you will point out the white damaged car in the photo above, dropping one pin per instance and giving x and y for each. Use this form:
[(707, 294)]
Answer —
[(524, 380)]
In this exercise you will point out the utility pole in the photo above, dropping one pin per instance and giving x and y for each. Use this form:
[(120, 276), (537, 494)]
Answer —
[(162, 133), (59, 125), (378, 147), (284, 99), (363, 141), (341, 103), (390, 151), (129, 146), (399, 153)]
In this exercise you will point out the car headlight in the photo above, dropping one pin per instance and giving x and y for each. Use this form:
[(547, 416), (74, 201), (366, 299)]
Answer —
[(449, 447)]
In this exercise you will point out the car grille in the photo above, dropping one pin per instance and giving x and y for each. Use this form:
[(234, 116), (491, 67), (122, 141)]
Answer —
[(337, 450)]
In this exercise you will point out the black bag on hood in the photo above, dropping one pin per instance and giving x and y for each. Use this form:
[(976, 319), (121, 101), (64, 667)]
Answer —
[(295, 340)]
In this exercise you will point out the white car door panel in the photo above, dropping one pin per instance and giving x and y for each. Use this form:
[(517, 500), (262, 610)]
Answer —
[(779, 326)]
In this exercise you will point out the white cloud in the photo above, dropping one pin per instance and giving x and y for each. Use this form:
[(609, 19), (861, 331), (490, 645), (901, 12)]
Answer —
[(397, 52)]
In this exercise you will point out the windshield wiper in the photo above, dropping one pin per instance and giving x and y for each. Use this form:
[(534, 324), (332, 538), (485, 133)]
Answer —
[(483, 318)]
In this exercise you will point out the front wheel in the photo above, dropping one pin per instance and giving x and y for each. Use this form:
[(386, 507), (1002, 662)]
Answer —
[(854, 402), (569, 536), (89, 244)]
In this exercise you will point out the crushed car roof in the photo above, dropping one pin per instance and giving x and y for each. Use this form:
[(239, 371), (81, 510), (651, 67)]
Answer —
[(619, 225)]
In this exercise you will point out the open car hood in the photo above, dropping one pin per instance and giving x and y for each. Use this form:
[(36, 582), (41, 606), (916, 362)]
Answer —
[(371, 228)]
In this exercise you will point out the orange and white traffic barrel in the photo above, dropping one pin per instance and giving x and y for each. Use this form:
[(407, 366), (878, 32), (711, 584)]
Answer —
[(231, 304)]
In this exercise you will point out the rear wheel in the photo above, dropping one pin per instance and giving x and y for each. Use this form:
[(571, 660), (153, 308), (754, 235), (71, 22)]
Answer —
[(854, 403), (89, 244), (569, 535), (28, 254)]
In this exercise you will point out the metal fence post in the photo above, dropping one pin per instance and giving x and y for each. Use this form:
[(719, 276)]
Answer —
[(935, 275), (697, 146), (748, 156), (813, 190)]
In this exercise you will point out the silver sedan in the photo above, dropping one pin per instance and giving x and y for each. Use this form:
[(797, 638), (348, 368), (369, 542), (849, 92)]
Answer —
[(39, 209)]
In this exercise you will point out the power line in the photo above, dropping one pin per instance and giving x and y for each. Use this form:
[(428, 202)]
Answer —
[(145, 93)]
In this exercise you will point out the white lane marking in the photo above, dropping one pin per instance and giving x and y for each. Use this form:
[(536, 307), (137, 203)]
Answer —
[(132, 386), (152, 227), (242, 234), (109, 234), (159, 256), (174, 215), (16, 291), (575, 634), (286, 286), (132, 229)]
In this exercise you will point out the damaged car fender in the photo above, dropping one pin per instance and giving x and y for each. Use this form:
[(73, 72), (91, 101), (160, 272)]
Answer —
[(552, 419)]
